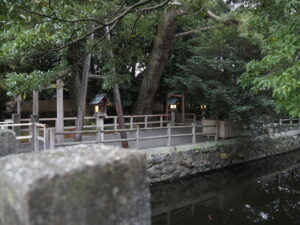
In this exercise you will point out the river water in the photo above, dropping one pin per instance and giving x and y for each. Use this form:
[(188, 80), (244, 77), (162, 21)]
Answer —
[(261, 192)]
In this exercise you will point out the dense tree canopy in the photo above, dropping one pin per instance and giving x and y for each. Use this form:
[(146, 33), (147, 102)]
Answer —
[(275, 25), (199, 47)]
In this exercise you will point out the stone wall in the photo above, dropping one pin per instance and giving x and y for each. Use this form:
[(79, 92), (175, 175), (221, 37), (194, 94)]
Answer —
[(8, 143), (82, 185), (167, 164)]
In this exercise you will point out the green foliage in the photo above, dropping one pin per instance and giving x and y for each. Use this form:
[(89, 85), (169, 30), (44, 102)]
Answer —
[(17, 83), (207, 68), (275, 25), (37, 31)]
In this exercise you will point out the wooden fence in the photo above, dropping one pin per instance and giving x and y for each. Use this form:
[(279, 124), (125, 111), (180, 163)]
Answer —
[(144, 121), (34, 133), (100, 138)]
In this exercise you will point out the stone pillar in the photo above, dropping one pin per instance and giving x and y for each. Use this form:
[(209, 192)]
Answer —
[(85, 184), (8, 142)]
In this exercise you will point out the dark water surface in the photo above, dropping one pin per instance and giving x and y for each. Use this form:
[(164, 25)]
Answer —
[(262, 192)]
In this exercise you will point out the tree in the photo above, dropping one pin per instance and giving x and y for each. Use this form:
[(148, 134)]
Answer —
[(275, 26), (167, 32), (206, 68), (43, 28)]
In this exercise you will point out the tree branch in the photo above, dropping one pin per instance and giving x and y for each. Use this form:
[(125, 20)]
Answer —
[(154, 7), (197, 30), (220, 19)]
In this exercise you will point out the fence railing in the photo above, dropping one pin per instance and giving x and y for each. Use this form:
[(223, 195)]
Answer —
[(34, 132), (111, 122), (100, 135)]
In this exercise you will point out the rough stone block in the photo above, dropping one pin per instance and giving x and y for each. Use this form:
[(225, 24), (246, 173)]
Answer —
[(82, 185), (8, 143)]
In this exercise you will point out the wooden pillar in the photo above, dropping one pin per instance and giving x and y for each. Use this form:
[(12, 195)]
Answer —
[(60, 109), (18, 99), (35, 103)]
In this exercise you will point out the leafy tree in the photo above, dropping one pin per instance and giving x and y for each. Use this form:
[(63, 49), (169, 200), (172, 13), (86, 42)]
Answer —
[(207, 69), (275, 25)]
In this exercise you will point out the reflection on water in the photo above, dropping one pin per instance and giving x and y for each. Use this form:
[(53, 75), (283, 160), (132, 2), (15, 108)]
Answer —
[(262, 192)]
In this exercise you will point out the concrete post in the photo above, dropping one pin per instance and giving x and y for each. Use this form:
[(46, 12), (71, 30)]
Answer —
[(52, 138), (137, 136), (100, 127), (169, 135), (34, 141), (194, 133)]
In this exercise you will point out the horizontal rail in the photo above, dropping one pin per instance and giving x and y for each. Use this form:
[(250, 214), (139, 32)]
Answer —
[(118, 140), (205, 134), (76, 143), (76, 132), (24, 137), (16, 125), (154, 137), (181, 135)]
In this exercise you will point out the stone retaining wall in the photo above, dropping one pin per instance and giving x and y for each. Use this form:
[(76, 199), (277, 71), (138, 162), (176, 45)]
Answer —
[(167, 164)]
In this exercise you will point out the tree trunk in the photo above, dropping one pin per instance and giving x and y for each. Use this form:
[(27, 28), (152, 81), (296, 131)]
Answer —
[(74, 82), (117, 98), (83, 91), (159, 55)]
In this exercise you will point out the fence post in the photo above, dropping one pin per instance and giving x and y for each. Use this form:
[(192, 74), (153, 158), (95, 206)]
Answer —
[(100, 126), (137, 136), (115, 123), (16, 119), (217, 131), (131, 122), (169, 135), (36, 141), (34, 119), (161, 121), (194, 132), (280, 122), (46, 137), (52, 138), (99, 139), (146, 122)]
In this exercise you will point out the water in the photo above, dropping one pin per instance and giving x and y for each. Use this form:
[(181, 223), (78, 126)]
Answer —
[(262, 192)]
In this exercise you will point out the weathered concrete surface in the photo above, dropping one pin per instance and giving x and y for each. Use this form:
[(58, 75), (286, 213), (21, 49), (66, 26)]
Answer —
[(8, 142), (167, 164), (82, 185)]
